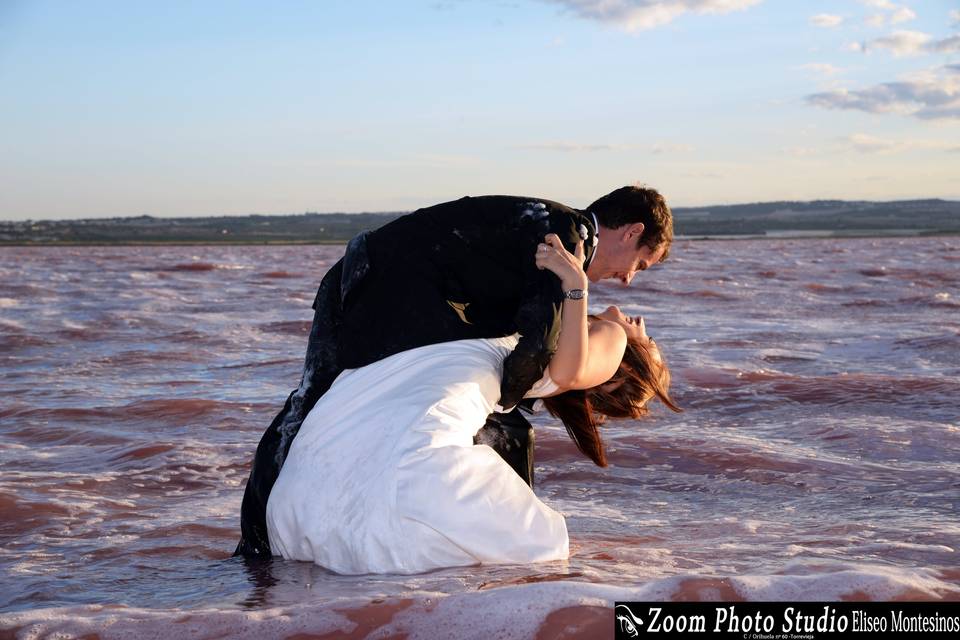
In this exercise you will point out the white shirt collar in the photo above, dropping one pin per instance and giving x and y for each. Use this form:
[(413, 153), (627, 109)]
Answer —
[(596, 234)]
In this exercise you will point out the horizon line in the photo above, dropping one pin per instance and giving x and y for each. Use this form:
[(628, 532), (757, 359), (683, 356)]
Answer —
[(406, 211)]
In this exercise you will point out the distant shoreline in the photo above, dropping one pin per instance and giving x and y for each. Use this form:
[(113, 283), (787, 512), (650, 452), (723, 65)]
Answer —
[(763, 220)]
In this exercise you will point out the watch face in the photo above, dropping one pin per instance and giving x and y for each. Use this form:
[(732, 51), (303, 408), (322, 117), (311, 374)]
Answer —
[(575, 294)]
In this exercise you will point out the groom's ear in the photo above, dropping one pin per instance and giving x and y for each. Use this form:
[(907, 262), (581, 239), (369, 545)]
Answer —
[(633, 232)]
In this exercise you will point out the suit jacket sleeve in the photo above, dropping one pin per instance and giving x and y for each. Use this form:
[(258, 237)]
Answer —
[(538, 316)]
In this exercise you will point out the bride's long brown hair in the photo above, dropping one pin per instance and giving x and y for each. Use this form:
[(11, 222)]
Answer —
[(638, 379)]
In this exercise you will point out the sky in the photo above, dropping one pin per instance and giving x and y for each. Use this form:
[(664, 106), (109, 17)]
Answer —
[(184, 108)]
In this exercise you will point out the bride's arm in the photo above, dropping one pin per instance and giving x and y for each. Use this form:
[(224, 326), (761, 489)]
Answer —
[(587, 354)]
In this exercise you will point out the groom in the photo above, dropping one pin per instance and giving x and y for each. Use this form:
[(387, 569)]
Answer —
[(457, 270)]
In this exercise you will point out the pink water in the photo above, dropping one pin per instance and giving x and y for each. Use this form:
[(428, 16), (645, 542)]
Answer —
[(817, 457)]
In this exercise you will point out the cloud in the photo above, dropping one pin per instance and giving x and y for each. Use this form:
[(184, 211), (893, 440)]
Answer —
[(908, 43), (903, 14), (637, 15), (947, 45), (900, 43), (955, 17), (826, 20), (933, 95), (897, 13)]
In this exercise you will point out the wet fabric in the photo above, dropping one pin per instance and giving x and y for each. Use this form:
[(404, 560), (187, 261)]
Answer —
[(384, 477)]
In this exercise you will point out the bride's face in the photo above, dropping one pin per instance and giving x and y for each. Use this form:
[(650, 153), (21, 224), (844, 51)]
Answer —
[(634, 326)]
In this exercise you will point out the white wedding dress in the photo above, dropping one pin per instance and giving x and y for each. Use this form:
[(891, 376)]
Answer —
[(384, 477)]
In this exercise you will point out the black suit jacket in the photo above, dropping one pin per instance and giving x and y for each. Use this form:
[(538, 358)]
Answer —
[(457, 270)]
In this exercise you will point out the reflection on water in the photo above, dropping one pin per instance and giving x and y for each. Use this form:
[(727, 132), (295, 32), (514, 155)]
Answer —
[(817, 457)]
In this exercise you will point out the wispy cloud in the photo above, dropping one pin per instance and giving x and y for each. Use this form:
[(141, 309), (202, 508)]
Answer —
[(581, 147), (870, 144), (930, 95), (865, 143), (826, 20), (903, 14), (573, 147), (955, 17), (637, 15), (896, 13), (908, 43), (899, 43), (947, 45), (670, 147)]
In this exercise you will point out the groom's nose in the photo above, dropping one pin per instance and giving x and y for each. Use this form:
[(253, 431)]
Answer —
[(628, 277)]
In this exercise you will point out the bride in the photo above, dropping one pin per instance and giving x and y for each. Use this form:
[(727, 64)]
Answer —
[(384, 477)]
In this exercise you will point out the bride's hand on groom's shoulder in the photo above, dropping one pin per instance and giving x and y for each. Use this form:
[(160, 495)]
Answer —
[(553, 256)]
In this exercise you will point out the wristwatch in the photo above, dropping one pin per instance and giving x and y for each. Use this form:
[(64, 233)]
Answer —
[(575, 294)]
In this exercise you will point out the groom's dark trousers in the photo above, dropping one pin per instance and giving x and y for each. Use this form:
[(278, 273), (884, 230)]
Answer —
[(458, 270)]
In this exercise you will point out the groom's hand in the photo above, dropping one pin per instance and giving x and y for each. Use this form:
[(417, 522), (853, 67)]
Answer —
[(553, 256)]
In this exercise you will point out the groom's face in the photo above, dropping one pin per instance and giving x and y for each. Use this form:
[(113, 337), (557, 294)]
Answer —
[(618, 256)]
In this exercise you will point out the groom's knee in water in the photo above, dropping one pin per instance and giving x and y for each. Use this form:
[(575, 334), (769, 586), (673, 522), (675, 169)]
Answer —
[(511, 436)]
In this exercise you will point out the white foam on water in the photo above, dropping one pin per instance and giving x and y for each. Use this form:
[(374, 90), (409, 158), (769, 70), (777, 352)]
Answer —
[(751, 526), (119, 622), (596, 510), (505, 613), (878, 582), (11, 324), (740, 525), (886, 545)]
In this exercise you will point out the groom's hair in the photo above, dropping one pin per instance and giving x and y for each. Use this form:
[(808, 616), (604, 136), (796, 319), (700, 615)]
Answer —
[(638, 203)]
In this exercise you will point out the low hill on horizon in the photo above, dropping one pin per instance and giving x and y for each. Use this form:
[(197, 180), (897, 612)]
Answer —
[(776, 219), (831, 217)]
